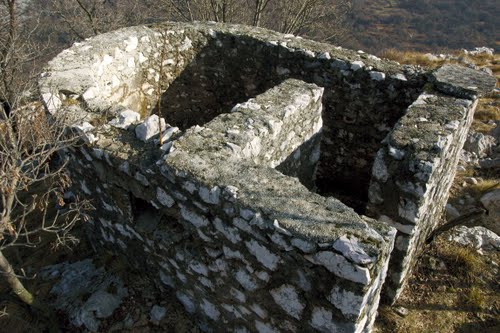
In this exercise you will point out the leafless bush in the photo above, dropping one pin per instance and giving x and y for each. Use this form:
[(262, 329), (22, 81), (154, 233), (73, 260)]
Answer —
[(31, 184)]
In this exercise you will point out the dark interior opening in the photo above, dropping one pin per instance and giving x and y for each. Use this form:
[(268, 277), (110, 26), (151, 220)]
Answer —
[(219, 77), (146, 217)]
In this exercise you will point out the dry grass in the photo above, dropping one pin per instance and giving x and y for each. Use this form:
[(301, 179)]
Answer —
[(457, 190), (482, 127), (411, 58), (419, 58), (481, 60), (460, 296), (482, 187), (475, 298), (487, 109), (465, 261), (496, 70), (475, 191)]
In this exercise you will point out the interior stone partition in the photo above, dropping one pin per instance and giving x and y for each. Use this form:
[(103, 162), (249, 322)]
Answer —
[(274, 148)]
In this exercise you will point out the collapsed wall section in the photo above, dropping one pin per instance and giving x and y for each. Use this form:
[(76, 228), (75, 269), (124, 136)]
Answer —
[(245, 247)]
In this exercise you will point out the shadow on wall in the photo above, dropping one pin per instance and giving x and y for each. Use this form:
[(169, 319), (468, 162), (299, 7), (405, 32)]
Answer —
[(218, 78), (358, 111)]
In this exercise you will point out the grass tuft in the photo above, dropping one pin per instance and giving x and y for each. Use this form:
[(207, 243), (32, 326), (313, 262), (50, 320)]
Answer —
[(475, 298), (411, 58), (465, 261), (482, 187)]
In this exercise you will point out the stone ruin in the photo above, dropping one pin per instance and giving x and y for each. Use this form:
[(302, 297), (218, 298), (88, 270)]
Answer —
[(291, 178)]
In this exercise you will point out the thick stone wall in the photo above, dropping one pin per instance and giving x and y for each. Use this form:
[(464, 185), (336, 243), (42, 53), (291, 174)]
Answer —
[(221, 210), (415, 167)]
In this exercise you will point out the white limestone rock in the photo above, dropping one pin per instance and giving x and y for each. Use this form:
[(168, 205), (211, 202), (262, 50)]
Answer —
[(478, 237), (157, 313), (210, 310), (131, 43), (350, 304), (187, 301), (193, 218), (164, 198), (230, 233), (479, 143), (322, 320), (339, 266), (264, 328), (451, 212), (379, 170), (230, 193), (149, 128), (198, 267), (400, 77), (125, 119), (491, 201), (85, 127), (350, 248), (167, 147), (211, 196), (245, 280), (377, 76), (357, 65), (287, 298), (52, 102), (481, 50), (303, 245), (238, 295), (141, 178), (263, 255), (85, 130), (167, 134)]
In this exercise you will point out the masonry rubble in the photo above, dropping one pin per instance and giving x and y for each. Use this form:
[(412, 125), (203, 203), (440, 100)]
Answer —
[(255, 125), (86, 293), (477, 237)]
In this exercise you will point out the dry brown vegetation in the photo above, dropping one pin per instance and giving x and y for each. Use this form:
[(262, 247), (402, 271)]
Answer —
[(425, 25), (411, 58), (453, 289)]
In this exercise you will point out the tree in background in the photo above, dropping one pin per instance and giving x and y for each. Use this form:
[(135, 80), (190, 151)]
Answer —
[(86, 18), (325, 20), (31, 184), (13, 55)]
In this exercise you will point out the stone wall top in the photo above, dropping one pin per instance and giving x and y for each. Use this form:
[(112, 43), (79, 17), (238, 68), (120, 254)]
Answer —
[(123, 67)]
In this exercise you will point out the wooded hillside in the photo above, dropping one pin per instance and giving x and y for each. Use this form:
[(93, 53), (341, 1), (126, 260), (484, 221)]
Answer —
[(426, 25)]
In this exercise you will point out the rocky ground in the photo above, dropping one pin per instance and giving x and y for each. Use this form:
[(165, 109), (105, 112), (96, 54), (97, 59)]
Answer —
[(454, 287)]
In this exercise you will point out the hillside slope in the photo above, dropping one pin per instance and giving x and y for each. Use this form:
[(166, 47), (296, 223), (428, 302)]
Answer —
[(426, 25)]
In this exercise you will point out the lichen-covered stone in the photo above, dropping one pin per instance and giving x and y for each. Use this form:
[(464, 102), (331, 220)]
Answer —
[(462, 82)]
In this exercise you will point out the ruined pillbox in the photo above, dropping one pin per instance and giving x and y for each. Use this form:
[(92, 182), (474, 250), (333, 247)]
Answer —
[(237, 206)]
